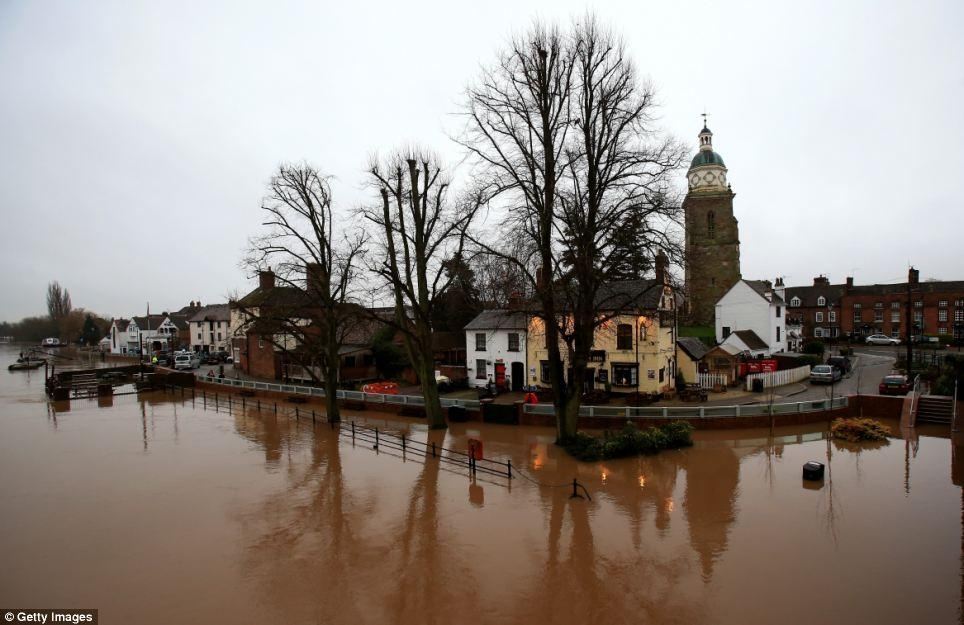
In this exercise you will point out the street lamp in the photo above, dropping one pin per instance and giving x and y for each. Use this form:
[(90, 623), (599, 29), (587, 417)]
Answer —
[(830, 325)]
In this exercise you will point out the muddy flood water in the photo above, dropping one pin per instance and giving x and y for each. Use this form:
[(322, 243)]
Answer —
[(158, 510)]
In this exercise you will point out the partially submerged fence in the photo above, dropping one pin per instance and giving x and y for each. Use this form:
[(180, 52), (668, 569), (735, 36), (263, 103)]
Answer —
[(380, 440), (696, 412), (779, 378), (315, 391)]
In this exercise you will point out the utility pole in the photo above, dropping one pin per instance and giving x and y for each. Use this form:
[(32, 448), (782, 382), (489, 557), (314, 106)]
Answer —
[(910, 309)]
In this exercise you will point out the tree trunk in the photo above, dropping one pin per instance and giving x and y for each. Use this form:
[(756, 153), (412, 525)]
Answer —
[(331, 394)]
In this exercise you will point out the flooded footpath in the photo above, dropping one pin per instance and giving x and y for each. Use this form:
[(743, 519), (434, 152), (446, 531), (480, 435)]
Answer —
[(154, 509)]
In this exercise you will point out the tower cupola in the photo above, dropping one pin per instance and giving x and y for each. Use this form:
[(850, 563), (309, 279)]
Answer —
[(707, 172)]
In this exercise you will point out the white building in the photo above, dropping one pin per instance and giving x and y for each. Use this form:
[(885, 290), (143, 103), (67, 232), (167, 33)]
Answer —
[(118, 336), (753, 308), (495, 349), (210, 329)]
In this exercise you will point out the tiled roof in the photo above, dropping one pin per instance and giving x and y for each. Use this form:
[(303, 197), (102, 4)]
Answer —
[(947, 286), (810, 294), (763, 287), (751, 340), (277, 296), (212, 312), (498, 320), (694, 347)]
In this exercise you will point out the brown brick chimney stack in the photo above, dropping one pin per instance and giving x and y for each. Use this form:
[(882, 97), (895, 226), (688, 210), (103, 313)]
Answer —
[(266, 279)]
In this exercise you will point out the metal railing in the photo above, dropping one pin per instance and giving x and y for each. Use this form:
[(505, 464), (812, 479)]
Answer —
[(695, 412), (954, 413), (315, 391), (914, 393)]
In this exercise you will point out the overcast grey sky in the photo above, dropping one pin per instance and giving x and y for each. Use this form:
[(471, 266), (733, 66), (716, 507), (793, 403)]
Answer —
[(136, 138)]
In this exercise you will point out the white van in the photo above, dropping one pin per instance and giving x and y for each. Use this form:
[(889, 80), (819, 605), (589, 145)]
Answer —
[(186, 360)]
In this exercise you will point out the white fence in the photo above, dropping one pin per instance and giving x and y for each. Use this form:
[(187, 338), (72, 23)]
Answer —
[(710, 380), (695, 412), (778, 378), (315, 391)]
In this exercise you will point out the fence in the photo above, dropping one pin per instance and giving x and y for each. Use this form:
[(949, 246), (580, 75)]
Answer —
[(778, 378), (695, 412), (710, 380), (381, 440), (316, 391)]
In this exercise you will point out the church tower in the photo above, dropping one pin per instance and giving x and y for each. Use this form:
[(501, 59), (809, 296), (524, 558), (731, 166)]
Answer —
[(712, 233)]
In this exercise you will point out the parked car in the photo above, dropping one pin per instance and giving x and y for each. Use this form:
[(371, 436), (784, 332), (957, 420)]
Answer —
[(212, 358), (187, 360), (881, 339), (825, 374), (841, 362), (894, 384), (163, 359), (443, 382)]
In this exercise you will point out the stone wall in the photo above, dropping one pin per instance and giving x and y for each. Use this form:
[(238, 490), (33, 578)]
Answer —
[(712, 259)]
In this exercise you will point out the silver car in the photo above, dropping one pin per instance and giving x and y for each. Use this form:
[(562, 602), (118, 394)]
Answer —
[(881, 339), (825, 374)]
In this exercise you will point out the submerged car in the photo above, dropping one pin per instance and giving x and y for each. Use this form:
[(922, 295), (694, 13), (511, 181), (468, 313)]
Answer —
[(881, 339), (894, 384), (825, 374)]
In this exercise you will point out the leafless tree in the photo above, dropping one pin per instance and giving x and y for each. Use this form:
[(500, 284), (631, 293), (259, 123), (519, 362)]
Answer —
[(317, 262), (564, 134), (419, 229), (58, 301)]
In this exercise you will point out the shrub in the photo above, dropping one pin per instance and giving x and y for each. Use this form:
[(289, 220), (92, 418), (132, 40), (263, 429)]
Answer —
[(856, 430), (813, 347), (630, 441), (809, 359)]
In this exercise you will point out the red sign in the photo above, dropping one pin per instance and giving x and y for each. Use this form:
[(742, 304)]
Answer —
[(475, 448), (757, 366)]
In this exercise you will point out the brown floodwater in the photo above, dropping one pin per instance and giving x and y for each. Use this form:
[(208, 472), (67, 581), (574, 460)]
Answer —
[(156, 510)]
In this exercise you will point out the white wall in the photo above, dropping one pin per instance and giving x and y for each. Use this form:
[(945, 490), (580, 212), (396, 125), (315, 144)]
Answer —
[(742, 308), (496, 348), (204, 329)]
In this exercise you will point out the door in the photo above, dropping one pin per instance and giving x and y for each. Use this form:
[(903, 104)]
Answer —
[(518, 376), (500, 374)]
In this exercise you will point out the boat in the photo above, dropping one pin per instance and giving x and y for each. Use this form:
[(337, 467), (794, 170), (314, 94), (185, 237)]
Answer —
[(51, 342), (24, 365)]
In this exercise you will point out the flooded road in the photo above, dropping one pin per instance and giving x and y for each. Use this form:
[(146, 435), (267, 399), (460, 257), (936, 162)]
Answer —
[(159, 511)]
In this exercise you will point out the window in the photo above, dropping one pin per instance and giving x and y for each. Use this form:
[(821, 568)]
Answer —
[(711, 225), (818, 317), (726, 331), (821, 301), (895, 316), (818, 333), (795, 301), (832, 316), (857, 313), (624, 336), (942, 303), (544, 370), (878, 316), (942, 330), (199, 336), (778, 335), (878, 305), (721, 363), (918, 315), (480, 368), (662, 374), (959, 315), (895, 334), (778, 312), (219, 336), (895, 305), (919, 304), (959, 303), (480, 342), (942, 315), (513, 341), (625, 375)]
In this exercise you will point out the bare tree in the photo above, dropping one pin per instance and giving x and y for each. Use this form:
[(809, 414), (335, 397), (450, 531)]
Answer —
[(564, 133), (316, 262), (58, 301), (420, 230)]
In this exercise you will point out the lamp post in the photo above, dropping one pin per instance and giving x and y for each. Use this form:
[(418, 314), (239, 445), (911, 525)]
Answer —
[(830, 326)]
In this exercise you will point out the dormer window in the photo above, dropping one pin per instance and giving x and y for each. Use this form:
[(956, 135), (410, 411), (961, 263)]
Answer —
[(821, 301), (795, 301)]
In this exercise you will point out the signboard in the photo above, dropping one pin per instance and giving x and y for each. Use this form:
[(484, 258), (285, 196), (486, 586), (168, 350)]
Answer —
[(757, 366)]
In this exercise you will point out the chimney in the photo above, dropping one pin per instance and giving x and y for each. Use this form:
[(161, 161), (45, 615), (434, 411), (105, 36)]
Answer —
[(821, 281), (313, 278), (198, 303), (515, 300), (779, 289), (661, 262), (266, 279), (913, 276)]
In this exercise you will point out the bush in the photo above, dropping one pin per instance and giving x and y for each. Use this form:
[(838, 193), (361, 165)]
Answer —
[(630, 441), (809, 359), (813, 347), (856, 430)]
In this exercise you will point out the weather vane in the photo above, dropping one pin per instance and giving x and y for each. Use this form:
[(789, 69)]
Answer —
[(704, 115)]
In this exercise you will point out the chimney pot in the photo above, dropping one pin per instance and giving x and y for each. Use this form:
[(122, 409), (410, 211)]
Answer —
[(266, 279)]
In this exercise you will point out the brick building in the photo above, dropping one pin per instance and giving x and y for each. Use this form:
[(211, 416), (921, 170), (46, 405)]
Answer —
[(843, 310), (712, 234)]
